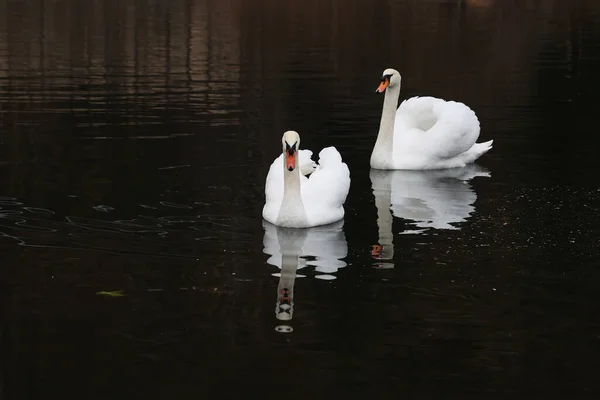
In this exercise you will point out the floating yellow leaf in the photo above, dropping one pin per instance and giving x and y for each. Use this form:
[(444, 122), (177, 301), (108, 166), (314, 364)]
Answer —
[(118, 293)]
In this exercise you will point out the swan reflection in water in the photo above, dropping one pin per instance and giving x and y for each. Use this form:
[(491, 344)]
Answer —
[(433, 199), (290, 250)]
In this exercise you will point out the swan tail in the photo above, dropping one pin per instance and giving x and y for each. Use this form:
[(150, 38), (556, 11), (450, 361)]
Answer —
[(307, 169), (477, 150)]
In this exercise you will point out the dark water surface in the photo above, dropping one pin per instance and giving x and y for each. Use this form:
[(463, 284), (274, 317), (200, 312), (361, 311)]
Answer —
[(135, 137)]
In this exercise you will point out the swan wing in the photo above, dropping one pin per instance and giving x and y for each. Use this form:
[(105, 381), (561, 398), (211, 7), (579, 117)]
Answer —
[(434, 128), (324, 192), (307, 165)]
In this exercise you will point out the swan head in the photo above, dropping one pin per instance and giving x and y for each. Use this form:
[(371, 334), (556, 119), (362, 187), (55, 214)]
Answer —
[(389, 78), (291, 143)]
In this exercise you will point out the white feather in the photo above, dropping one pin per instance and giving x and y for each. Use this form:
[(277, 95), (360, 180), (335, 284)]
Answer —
[(425, 132), (320, 198)]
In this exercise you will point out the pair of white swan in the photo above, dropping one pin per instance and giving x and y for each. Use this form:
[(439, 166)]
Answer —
[(423, 133)]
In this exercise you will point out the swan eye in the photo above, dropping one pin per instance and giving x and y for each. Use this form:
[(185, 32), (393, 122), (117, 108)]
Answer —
[(386, 79)]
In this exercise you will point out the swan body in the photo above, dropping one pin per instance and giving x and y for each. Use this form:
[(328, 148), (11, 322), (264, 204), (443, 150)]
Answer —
[(294, 200), (424, 132)]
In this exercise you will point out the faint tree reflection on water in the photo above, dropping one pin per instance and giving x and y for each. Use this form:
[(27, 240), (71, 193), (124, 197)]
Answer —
[(99, 100)]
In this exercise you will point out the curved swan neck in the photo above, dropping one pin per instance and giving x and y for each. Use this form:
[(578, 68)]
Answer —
[(388, 113), (384, 145)]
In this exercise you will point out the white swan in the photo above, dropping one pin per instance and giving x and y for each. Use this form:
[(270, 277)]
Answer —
[(295, 201), (424, 132)]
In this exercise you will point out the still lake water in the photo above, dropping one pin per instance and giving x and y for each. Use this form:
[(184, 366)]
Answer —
[(135, 137)]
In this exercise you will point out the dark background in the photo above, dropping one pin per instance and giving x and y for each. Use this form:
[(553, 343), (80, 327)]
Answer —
[(135, 137)]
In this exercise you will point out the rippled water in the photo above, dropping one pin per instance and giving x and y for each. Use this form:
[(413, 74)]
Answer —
[(135, 138)]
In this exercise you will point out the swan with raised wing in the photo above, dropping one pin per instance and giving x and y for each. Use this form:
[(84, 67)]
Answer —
[(294, 200), (424, 132)]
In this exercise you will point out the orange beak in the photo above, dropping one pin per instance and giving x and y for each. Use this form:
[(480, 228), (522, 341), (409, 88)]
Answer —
[(383, 85), (290, 161)]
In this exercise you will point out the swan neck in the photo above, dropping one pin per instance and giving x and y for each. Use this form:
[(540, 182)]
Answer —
[(384, 144), (292, 196), (388, 113), (291, 182)]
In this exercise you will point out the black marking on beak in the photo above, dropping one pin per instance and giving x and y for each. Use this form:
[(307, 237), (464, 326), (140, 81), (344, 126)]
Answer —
[(385, 82), (290, 149)]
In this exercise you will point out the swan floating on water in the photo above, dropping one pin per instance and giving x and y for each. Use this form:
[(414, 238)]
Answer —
[(294, 200), (424, 132)]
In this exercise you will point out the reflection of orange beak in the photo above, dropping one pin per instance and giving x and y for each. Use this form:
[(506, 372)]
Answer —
[(290, 161), (376, 252), (384, 84), (285, 295)]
